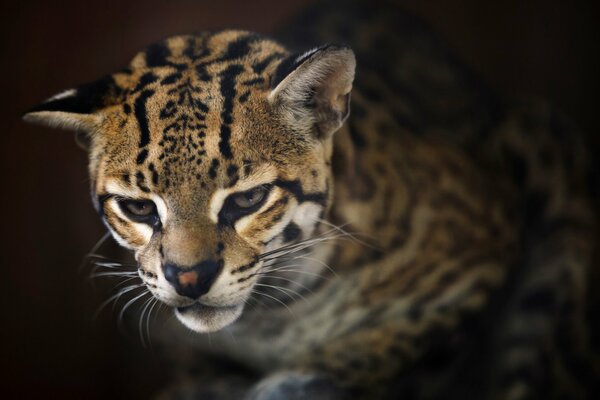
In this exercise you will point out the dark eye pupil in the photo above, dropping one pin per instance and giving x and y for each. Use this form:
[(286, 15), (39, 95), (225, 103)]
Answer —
[(139, 208), (249, 198)]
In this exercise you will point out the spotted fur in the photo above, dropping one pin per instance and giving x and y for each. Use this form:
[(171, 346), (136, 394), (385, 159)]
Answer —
[(464, 223)]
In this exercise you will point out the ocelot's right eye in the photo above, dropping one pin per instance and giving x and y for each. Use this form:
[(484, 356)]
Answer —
[(143, 211)]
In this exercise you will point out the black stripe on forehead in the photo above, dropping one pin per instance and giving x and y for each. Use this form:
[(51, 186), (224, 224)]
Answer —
[(156, 54), (228, 80), (260, 66), (142, 118), (239, 47), (140, 180)]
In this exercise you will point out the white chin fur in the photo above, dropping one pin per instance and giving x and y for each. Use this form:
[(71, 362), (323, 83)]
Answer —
[(203, 319)]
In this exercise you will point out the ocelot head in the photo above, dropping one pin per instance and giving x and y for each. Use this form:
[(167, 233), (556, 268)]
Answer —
[(206, 154)]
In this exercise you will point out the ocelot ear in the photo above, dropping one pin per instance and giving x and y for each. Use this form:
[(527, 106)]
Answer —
[(76, 109), (311, 91)]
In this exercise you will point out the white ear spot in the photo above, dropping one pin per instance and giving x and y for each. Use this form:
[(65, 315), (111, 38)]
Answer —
[(62, 95), (306, 54)]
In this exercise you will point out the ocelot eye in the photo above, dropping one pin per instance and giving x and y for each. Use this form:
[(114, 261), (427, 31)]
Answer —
[(250, 198), (143, 211), (240, 204)]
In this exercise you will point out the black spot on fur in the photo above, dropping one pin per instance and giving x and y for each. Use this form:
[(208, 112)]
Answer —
[(212, 172), (239, 48), (144, 81), (291, 232), (259, 67), (247, 167), (244, 97), (142, 155), (252, 82), (156, 55), (154, 174), (140, 180)]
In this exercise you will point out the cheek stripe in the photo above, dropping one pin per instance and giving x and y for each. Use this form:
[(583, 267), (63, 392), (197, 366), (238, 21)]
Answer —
[(295, 188), (243, 268)]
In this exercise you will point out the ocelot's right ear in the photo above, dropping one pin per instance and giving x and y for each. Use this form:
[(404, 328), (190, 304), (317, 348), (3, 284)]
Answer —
[(76, 109)]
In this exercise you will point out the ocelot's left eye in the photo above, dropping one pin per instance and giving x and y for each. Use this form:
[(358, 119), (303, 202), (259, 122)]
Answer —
[(250, 198), (143, 211), (240, 204)]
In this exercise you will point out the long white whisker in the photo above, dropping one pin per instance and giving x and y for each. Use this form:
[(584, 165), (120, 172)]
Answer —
[(115, 297), (340, 228), (273, 298), (316, 239), (125, 281), (281, 278), (299, 247), (129, 303), (282, 290), (324, 264), (145, 306), (112, 264), (297, 271), (148, 320), (94, 249), (123, 273)]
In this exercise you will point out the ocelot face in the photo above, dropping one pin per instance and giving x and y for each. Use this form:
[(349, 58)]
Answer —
[(206, 155)]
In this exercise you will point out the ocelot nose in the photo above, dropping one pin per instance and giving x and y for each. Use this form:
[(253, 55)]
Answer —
[(193, 281)]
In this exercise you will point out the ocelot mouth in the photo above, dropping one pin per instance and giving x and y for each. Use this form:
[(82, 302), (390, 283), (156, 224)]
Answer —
[(201, 318)]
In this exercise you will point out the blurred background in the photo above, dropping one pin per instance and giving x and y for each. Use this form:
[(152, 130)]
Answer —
[(50, 343)]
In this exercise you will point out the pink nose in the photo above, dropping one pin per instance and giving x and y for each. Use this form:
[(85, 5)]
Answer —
[(194, 281)]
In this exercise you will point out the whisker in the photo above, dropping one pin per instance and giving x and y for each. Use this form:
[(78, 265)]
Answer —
[(273, 298), (94, 249), (318, 238), (144, 306), (148, 320), (282, 290), (115, 298), (297, 271), (115, 274), (323, 263), (259, 301), (113, 264), (129, 303), (298, 247), (125, 281), (352, 235), (281, 278)]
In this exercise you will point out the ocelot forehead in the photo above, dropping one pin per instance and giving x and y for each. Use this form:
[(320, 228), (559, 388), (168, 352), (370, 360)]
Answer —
[(194, 115)]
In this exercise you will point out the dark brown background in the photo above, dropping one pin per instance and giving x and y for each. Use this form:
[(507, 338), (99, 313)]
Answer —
[(49, 343)]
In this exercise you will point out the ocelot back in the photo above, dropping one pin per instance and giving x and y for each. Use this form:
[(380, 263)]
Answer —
[(424, 239)]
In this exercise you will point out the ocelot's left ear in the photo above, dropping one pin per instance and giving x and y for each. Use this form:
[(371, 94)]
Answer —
[(312, 91), (76, 109)]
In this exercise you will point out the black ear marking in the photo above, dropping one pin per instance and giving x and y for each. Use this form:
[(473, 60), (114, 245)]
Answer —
[(311, 91), (74, 109)]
